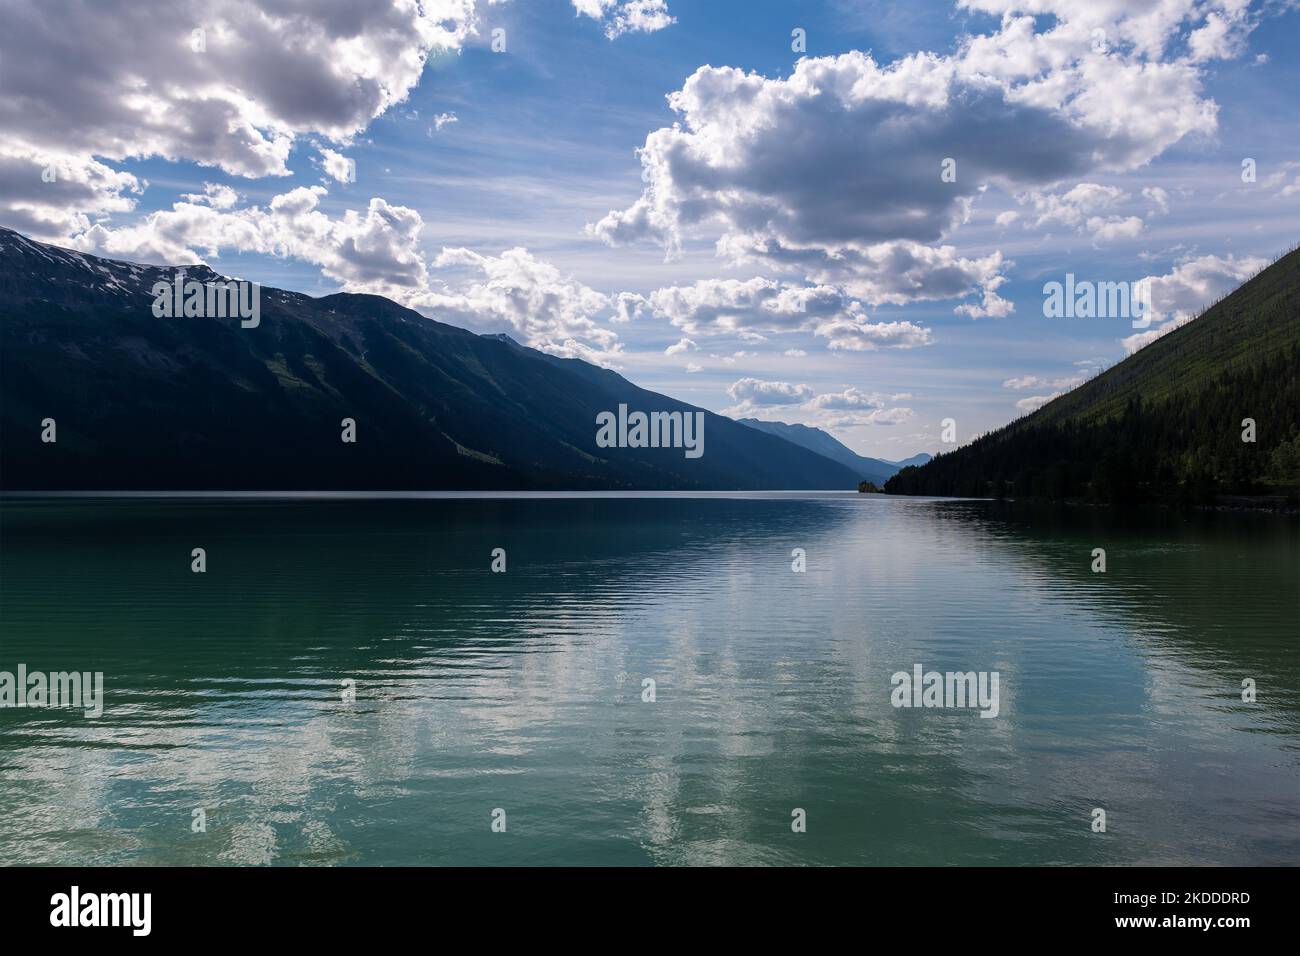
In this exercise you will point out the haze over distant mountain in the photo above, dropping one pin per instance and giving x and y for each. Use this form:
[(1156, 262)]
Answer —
[(1211, 407), (142, 402), (920, 459), (815, 439)]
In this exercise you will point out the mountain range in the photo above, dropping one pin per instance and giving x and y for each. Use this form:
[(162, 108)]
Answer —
[(875, 470), (144, 402), (1210, 408)]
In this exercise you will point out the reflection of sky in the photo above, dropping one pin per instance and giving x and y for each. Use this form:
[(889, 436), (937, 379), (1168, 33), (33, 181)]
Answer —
[(523, 691)]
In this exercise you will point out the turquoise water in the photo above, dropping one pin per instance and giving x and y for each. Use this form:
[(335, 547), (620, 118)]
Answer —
[(523, 690)]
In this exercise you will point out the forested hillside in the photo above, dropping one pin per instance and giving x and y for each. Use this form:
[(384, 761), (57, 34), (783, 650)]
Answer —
[(1166, 423)]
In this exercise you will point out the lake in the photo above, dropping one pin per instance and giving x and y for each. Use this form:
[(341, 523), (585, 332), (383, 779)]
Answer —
[(229, 736)]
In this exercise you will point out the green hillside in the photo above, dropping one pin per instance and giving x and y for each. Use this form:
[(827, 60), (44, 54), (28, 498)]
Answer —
[(1166, 423)]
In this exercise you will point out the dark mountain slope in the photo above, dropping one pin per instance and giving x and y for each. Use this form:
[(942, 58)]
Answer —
[(201, 403), (1164, 423)]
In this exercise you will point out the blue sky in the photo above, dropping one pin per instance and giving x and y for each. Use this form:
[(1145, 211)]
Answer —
[(789, 251)]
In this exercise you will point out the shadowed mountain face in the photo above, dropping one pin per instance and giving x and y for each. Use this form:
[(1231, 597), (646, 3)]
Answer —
[(1213, 406), (814, 439), (142, 402)]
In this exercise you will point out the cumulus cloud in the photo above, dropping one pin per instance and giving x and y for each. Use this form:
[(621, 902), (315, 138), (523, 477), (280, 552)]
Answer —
[(626, 16), (229, 84), (1088, 208), (226, 83), (682, 345), (851, 397), (862, 336), (1148, 28), (526, 297), (337, 166), (886, 273), (1180, 295), (215, 195), (853, 407), (49, 194), (758, 392), (845, 409), (376, 250), (835, 169), (748, 308)]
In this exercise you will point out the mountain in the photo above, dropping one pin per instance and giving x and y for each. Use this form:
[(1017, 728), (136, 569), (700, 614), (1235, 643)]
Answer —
[(142, 402), (1166, 423), (920, 459), (814, 439)]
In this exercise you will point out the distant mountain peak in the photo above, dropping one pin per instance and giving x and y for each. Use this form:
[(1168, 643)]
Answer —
[(824, 443)]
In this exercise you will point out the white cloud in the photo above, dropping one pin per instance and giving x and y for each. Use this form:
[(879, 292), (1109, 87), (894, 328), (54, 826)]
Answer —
[(758, 392), (215, 195), (1035, 402), (1087, 208), (1180, 295), (626, 16), (1054, 386), (851, 397), (136, 80), (1158, 198), (682, 345), (880, 416), (1148, 27), (337, 166), (374, 250), (834, 170), (886, 273), (230, 84), (748, 308), (526, 297), (1110, 228), (377, 251), (861, 336), (849, 408), (50, 194)]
